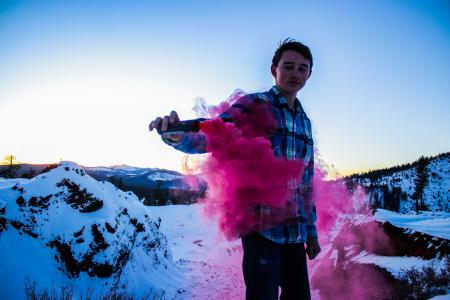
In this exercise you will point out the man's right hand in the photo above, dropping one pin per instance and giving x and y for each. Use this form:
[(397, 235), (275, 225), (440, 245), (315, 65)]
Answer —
[(163, 123), (312, 247)]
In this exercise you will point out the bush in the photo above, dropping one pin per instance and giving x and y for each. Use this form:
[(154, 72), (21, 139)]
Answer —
[(66, 293), (423, 283), (32, 294)]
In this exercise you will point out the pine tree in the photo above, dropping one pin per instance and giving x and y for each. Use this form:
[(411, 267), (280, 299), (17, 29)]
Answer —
[(421, 182)]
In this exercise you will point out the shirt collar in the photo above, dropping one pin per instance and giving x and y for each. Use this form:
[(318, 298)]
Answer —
[(282, 101)]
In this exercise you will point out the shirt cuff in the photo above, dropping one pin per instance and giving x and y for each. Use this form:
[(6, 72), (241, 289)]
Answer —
[(311, 227), (176, 144), (312, 232)]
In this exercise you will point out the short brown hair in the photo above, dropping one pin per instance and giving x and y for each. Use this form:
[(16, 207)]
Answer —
[(291, 44)]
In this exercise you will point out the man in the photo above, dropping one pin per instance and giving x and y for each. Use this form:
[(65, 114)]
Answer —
[(276, 257)]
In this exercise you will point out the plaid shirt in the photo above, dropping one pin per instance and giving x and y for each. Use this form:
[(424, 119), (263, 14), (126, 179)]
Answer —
[(292, 140)]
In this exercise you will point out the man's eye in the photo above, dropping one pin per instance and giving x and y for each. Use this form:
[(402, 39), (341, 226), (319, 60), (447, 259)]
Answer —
[(288, 67)]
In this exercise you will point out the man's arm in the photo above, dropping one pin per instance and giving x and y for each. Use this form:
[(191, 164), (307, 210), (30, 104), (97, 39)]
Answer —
[(312, 243), (192, 143)]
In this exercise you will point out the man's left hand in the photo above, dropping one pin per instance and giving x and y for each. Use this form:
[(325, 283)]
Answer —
[(312, 248)]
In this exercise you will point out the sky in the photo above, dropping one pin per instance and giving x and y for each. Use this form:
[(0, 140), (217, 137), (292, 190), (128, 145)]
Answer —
[(81, 80)]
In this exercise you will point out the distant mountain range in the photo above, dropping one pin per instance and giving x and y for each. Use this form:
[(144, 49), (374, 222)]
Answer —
[(152, 185), (395, 188)]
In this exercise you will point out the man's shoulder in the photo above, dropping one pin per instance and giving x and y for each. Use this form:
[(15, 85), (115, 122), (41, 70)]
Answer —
[(247, 102), (258, 97), (267, 95)]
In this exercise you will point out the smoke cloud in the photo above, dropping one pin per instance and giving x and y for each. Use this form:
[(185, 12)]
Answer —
[(346, 228), (242, 172)]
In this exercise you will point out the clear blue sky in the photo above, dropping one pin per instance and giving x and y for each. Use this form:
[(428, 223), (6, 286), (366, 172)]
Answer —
[(80, 80)]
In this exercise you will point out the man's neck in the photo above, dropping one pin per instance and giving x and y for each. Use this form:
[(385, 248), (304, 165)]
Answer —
[(289, 97), (291, 101)]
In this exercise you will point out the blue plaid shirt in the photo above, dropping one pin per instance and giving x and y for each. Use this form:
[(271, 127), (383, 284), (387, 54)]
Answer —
[(291, 140)]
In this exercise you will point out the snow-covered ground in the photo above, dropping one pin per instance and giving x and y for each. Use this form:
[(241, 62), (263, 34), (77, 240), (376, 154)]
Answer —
[(395, 264), (66, 228), (198, 264), (212, 264), (85, 234), (432, 223)]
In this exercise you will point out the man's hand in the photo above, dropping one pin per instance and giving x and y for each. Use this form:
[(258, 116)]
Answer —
[(163, 124), (312, 248)]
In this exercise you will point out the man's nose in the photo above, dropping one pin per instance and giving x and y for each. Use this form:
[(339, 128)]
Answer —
[(295, 75)]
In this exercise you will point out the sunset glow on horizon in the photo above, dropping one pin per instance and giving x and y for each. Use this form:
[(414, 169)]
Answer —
[(81, 81)]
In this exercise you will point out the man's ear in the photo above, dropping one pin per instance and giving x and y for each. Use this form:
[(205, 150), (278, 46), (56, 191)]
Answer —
[(273, 70)]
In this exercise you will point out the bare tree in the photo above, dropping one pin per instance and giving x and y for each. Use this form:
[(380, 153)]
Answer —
[(12, 166)]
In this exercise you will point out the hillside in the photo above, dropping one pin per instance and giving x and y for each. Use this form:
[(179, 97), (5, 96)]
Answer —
[(81, 233), (395, 188)]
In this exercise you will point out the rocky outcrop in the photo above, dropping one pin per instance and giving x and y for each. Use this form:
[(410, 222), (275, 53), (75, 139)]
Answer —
[(340, 274), (90, 226), (78, 198), (415, 244)]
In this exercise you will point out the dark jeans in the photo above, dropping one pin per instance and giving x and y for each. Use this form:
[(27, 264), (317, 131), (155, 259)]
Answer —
[(268, 265)]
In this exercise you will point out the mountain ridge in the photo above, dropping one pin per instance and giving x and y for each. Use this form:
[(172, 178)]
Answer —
[(88, 230)]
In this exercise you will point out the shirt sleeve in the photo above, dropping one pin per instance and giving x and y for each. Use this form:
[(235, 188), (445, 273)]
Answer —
[(190, 143), (196, 143), (311, 226), (311, 212)]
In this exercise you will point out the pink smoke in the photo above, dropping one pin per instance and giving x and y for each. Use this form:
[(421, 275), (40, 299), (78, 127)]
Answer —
[(345, 223), (243, 173), (332, 199)]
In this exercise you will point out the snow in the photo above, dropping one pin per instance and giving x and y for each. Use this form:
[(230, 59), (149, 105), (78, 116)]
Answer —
[(163, 176), (436, 193), (103, 169), (212, 264), (393, 264), (4, 182), (441, 297), (125, 168), (192, 261), (432, 223), (334, 256), (200, 264), (39, 267), (149, 264)]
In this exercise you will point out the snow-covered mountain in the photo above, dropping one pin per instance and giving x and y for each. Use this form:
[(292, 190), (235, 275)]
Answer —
[(150, 177), (399, 184), (64, 227), (155, 186), (375, 253)]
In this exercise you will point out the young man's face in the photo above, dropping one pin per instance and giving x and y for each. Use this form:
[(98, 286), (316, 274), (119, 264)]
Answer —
[(292, 72)]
